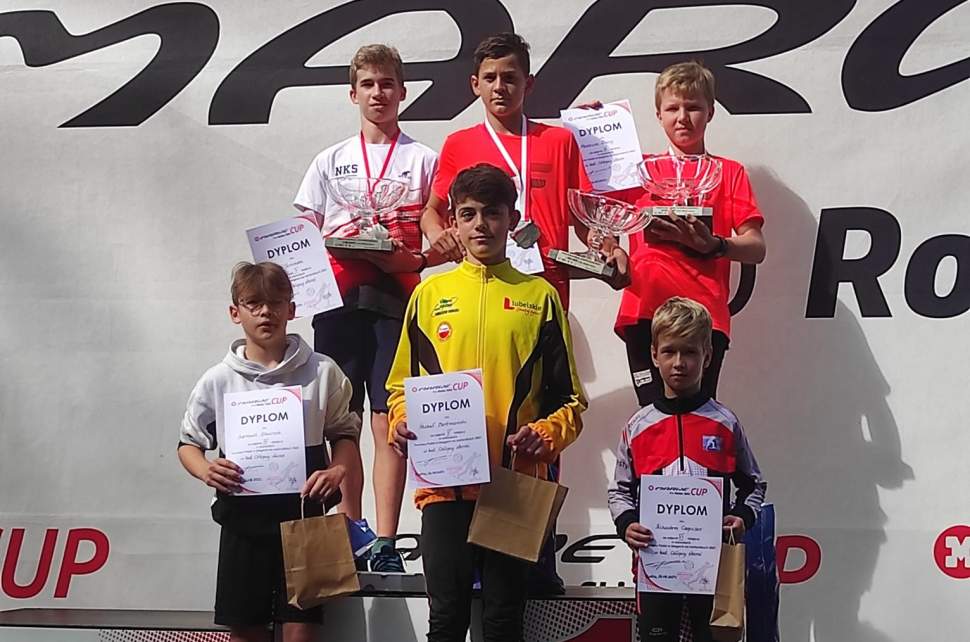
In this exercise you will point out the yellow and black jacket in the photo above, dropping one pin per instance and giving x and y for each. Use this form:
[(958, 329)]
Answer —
[(513, 327)]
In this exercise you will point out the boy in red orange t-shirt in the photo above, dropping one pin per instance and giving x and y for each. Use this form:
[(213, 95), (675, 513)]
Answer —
[(680, 256), (549, 154)]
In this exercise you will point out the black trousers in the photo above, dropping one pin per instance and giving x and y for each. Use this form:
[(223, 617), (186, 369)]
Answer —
[(646, 377), (449, 569), (658, 616)]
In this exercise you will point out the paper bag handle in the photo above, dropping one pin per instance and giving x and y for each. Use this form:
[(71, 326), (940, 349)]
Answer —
[(512, 465)]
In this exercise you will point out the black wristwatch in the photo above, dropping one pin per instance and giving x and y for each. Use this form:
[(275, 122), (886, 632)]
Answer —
[(719, 250), (424, 261)]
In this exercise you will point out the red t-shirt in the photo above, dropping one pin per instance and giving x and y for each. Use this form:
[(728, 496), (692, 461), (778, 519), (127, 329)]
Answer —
[(555, 165), (661, 270)]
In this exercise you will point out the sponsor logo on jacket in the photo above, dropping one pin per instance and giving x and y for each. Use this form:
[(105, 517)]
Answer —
[(445, 305), (521, 306)]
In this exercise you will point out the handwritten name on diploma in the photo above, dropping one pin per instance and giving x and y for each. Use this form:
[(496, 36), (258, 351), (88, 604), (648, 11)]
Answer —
[(447, 415)]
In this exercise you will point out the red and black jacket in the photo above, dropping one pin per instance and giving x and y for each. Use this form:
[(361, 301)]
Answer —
[(695, 436)]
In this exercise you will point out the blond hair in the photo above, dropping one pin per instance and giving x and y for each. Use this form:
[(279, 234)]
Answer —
[(681, 318), (686, 79), (261, 282), (380, 56)]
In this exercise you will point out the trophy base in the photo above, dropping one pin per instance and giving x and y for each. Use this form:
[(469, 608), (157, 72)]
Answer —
[(704, 214), (359, 243), (581, 262)]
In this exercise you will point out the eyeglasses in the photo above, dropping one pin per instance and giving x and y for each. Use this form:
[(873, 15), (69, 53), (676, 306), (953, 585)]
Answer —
[(273, 307)]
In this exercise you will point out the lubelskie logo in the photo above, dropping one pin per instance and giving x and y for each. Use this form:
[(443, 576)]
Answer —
[(521, 306), (445, 305)]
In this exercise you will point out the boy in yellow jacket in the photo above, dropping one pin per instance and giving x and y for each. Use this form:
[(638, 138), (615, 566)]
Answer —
[(485, 314)]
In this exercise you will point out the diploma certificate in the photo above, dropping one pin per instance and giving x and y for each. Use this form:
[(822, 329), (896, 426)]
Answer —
[(264, 437), (608, 142), (447, 414), (685, 515), (295, 245)]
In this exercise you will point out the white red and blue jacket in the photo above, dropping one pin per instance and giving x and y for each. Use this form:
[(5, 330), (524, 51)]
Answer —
[(695, 436)]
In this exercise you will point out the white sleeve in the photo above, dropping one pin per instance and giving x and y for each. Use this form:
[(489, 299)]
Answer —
[(312, 194), (199, 422), (430, 169)]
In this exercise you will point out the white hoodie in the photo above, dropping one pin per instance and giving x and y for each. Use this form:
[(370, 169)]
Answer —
[(326, 406)]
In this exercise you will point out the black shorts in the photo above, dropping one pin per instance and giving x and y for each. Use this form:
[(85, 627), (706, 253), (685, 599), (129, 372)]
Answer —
[(660, 616), (646, 377), (363, 344), (250, 584)]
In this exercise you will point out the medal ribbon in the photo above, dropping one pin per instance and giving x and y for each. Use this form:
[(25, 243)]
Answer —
[(387, 159), (518, 171)]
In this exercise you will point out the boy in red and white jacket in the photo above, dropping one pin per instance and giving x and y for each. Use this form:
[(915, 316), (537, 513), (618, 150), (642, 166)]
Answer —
[(685, 432)]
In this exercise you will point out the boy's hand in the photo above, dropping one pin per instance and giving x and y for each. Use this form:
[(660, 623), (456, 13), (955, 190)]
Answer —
[(733, 523), (596, 104), (401, 438), (447, 245), (618, 258), (323, 482), (528, 442), (688, 231), (223, 475), (698, 236), (638, 536)]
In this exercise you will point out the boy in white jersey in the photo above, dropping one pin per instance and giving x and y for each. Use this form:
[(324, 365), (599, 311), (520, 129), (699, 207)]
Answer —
[(362, 335)]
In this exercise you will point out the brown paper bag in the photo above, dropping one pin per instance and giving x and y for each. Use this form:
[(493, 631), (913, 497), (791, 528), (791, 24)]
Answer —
[(317, 560), (727, 617), (515, 513)]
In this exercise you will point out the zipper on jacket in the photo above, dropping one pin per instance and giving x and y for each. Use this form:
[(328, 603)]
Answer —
[(680, 439), (480, 343), (480, 354)]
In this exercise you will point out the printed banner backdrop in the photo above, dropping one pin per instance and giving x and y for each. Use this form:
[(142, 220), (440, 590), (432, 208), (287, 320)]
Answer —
[(140, 140)]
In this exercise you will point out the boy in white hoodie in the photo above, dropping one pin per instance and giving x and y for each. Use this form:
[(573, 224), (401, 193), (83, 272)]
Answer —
[(250, 585)]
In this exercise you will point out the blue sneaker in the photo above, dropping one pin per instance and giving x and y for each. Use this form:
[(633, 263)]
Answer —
[(361, 540), (361, 537), (386, 560)]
